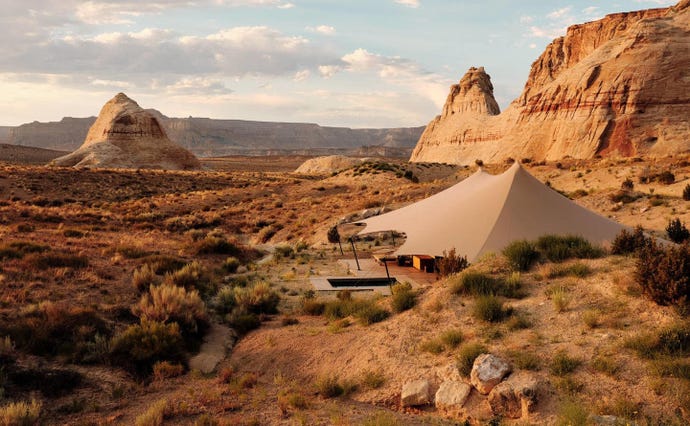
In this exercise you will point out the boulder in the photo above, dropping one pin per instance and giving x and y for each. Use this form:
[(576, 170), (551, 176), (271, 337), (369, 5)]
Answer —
[(416, 393), (452, 394), (516, 396), (488, 371)]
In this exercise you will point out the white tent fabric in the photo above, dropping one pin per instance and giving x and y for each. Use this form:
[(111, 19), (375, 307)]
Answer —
[(485, 213)]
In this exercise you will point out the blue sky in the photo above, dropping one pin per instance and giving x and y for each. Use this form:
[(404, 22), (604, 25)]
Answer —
[(376, 63)]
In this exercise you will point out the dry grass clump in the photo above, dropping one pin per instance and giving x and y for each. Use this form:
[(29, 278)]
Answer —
[(20, 413), (154, 415), (558, 248), (331, 386), (58, 260), (162, 264), (560, 296), (372, 379), (481, 284), (466, 356), (366, 311), (521, 254), (490, 308), (144, 277), (18, 249), (579, 270), (563, 364), (403, 297), (192, 276), (164, 370), (449, 339)]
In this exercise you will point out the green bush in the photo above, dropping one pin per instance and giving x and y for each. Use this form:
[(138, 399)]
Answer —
[(243, 322), (451, 263), (571, 413), (140, 346), (627, 243), (403, 298), (192, 276), (664, 273), (257, 299), (224, 301), (451, 338), (490, 308), (521, 254), (676, 231), (216, 245), (466, 356), (670, 341), (433, 346), (562, 364), (283, 252), (370, 314), (558, 248), (475, 284), (329, 387)]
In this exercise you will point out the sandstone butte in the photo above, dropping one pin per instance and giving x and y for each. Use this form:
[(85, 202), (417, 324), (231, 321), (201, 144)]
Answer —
[(126, 136), (619, 86)]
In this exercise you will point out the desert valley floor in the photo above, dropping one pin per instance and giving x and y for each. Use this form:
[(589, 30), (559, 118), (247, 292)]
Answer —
[(79, 249)]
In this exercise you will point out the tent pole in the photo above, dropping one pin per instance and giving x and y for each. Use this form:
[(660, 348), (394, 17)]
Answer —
[(352, 241)]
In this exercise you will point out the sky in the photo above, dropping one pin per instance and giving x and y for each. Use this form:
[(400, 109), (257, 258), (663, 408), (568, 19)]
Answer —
[(358, 63)]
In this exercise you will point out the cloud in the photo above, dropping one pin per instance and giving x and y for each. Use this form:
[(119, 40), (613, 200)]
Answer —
[(525, 19), (322, 29), (560, 13), (328, 71), (409, 3), (302, 75)]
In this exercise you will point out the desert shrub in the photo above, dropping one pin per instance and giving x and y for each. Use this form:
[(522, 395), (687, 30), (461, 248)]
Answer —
[(18, 249), (475, 283), (243, 322), (283, 252), (666, 177), (518, 322), (451, 263), (433, 346), (403, 297), (257, 299), (627, 185), (629, 242), (570, 413), (144, 277), (20, 413), (164, 370), (525, 360), (265, 234), (670, 341), (558, 248), (164, 264), (664, 273), (140, 346), (591, 318), (521, 254), (579, 270), (224, 301), (313, 307), (192, 276), (330, 386), (490, 308), (154, 415), (289, 320), (216, 245), (563, 364), (58, 260), (371, 313), (168, 303), (372, 379), (466, 356), (231, 264), (677, 231), (73, 233), (605, 365), (131, 252), (55, 329), (451, 338), (686, 192), (560, 298), (625, 197)]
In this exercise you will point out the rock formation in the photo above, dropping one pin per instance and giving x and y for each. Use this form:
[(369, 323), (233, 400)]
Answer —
[(619, 86), (328, 164), (126, 136)]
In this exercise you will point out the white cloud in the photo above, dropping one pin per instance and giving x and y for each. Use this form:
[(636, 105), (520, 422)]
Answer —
[(409, 3), (322, 29), (328, 71), (525, 19), (559, 13), (302, 75), (590, 10)]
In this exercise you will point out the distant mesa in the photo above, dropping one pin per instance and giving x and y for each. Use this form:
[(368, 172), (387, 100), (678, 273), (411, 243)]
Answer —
[(126, 136), (619, 86)]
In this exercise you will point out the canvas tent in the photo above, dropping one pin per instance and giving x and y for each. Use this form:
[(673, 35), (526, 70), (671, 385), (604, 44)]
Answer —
[(485, 213)]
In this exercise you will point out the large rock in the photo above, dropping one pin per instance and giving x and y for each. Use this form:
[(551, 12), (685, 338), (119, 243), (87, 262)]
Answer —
[(515, 397), (126, 136), (328, 164), (416, 393), (618, 86), (452, 395), (488, 371)]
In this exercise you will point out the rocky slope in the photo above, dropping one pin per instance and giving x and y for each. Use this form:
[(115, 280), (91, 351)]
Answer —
[(126, 136), (619, 86), (212, 138)]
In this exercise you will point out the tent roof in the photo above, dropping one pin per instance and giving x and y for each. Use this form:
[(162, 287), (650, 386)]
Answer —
[(487, 212)]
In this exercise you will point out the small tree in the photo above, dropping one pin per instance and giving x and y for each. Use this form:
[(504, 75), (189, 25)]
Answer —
[(334, 237), (451, 263), (676, 231)]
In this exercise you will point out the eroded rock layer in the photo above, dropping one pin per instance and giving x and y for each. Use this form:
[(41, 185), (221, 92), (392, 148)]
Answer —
[(127, 136), (619, 86)]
